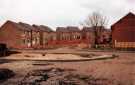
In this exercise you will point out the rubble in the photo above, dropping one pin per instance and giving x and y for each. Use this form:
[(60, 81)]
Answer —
[(58, 76), (5, 74)]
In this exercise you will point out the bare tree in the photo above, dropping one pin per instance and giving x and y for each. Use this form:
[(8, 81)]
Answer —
[(97, 21)]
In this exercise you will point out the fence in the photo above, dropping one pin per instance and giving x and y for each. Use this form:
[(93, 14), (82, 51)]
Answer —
[(124, 45)]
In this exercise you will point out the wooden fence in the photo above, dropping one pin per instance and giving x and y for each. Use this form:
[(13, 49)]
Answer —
[(124, 45)]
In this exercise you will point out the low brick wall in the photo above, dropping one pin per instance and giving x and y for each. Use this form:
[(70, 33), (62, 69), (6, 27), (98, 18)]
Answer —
[(77, 43)]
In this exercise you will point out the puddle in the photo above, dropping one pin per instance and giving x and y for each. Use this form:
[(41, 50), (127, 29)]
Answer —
[(42, 64)]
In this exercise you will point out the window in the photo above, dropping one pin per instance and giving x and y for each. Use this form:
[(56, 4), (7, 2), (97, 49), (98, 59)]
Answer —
[(24, 41), (38, 40), (28, 40), (78, 37)]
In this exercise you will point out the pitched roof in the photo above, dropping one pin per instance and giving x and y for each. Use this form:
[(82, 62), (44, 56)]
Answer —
[(43, 28), (37, 27), (129, 15), (62, 29), (46, 28), (68, 29), (17, 26), (73, 29), (89, 29), (26, 26)]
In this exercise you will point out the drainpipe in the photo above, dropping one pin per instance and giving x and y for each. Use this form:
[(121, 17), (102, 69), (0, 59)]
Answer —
[(31, 38)]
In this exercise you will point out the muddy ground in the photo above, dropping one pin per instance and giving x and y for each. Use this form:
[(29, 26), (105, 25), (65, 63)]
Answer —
[(116, 71)]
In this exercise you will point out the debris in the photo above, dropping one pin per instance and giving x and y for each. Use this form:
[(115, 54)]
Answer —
[(6, 73), (58, 76)]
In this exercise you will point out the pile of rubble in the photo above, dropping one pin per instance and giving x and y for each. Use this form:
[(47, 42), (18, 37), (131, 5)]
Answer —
[(58, 76), (5, 74)]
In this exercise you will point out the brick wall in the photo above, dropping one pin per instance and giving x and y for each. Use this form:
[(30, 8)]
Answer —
[(10, 36), (124, 31)]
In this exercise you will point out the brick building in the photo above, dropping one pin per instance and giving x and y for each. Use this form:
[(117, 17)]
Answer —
[(45, 35), (123, 32), (21, 35), (15, 35), (88, 36), (105, 36), (70, 36), (33, 37)]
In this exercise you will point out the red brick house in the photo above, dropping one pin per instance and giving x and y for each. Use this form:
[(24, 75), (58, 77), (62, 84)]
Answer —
[(75, 33), (105, 36), (123, 32), (62, 33), (88, 36), (15, 35), (45, 34), (34, 37), (68, 36), (23, 35)]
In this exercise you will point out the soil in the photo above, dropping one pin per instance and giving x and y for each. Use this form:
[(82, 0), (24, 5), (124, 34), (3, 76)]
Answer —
[(116, 71), (5, 74)]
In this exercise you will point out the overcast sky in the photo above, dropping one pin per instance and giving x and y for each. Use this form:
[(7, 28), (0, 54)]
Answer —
[(55, 13)]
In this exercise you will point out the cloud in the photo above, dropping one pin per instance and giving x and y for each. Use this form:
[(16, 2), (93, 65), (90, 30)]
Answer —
[(61, 12), (113, 9)]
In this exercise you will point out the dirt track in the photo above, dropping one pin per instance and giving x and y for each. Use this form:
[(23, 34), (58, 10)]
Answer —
[(119, 71)]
